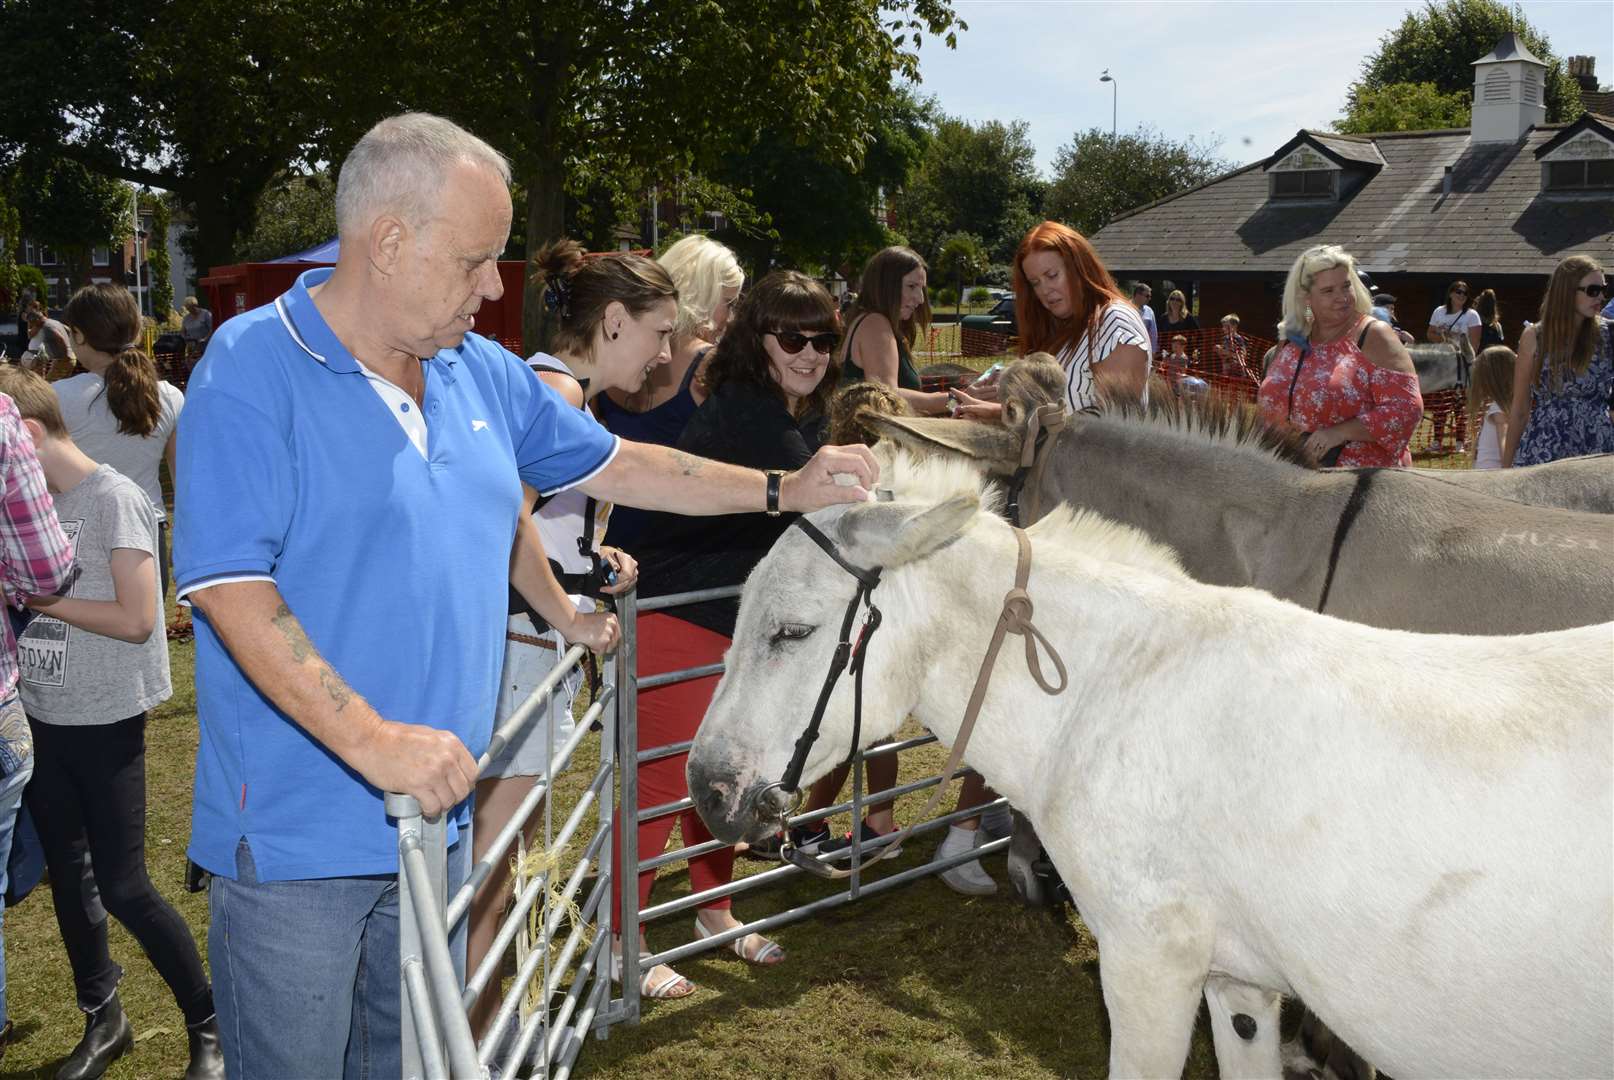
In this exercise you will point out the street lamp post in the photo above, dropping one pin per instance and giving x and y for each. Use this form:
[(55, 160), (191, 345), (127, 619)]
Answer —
[(1114, 93)]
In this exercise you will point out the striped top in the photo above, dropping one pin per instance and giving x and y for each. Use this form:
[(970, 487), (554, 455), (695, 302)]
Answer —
[(1119, 324), (36, 557)]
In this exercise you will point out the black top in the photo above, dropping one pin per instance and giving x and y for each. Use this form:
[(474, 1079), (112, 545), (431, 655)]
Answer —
[(1491, 335), (1168, 327), (741, 424), (907, 374)]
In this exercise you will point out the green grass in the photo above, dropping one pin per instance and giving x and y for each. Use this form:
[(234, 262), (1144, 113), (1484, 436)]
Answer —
[(920, 981), (39, 984)]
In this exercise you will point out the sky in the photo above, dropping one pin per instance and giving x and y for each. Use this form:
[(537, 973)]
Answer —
[(1245, 74)]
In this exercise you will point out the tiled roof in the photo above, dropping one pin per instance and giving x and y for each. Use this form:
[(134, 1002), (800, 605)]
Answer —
[(1598, 101), (1496, 219)]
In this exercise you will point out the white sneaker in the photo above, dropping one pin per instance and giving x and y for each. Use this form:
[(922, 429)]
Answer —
[(967, 878)]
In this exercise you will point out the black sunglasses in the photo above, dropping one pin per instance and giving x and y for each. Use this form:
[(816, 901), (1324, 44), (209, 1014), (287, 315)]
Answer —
[(792, 342), (1593, 290)]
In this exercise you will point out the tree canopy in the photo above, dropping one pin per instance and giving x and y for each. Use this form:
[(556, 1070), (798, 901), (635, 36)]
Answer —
[(293, 213), (1097, 175), (979, 178), (1404, 107), (208, 99), (69, 208), (584, 92), (1438, 46)]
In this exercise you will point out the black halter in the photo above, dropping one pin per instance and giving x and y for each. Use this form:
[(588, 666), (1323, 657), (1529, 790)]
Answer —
[(845, 653)]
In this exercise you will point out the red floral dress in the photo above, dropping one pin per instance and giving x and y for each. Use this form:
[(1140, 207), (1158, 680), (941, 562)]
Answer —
[(1336, 383)]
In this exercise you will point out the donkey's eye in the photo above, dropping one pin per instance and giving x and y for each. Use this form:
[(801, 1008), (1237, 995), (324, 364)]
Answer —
[(791, 632)]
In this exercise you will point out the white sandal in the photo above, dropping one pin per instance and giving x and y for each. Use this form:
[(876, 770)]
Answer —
[(770, 953), (667, 989)]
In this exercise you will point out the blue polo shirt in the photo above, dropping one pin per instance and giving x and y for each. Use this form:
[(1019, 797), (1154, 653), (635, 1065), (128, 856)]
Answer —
[(293, 469)]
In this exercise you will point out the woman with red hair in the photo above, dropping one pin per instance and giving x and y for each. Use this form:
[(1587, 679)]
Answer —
[(1067, 304)]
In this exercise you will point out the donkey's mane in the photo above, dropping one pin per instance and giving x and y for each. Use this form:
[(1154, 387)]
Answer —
[(1210, 420), (930, 479), (1213, 422)]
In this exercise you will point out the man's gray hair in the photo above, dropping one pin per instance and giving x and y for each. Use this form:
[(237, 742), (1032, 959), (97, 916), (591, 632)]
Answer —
[(400, 165)]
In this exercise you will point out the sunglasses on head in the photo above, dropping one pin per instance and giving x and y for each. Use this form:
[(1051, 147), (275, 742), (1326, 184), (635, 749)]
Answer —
[(792, 342), (1594, 290)]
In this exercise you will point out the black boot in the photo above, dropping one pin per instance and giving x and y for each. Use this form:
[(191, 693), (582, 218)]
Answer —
[(107, 1037), (207, 1059)]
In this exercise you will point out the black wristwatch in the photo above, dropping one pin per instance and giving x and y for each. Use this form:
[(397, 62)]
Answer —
[(774, 477)]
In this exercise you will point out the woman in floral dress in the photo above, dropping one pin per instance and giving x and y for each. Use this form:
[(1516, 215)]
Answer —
[(1562, 382), (1341, 376)]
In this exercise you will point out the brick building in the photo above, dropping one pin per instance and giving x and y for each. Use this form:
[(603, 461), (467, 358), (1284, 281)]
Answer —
[(1497, 204)]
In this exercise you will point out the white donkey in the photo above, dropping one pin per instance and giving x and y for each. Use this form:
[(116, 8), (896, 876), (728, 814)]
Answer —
[(1415, 833)]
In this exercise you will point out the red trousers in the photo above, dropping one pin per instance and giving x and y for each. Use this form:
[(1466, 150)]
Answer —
[(671, 714)]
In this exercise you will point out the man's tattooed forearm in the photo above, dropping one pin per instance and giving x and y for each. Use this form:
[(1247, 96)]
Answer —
[(691, 464), (336, 687), (292, 630)]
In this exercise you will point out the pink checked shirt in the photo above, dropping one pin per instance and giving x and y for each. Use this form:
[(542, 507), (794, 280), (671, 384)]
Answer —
[(36, 557), (1337, 383)]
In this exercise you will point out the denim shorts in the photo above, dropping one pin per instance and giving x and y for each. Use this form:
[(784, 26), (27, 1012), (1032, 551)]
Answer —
[(525, 666)]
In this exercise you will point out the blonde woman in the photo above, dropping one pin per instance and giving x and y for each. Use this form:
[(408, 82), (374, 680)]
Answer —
[(708, 279), (1178, 320), (1341, 376), (1566, 367)]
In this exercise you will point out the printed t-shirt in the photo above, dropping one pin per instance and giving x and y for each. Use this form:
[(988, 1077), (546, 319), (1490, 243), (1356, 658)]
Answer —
[(70, 675)]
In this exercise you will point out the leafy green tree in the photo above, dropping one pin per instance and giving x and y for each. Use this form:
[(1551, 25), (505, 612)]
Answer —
[(817, 209), (70, 208), (1097, 175), (294, 213), (1439, 44), (10, 238), (962, 259), (1404, 107), (162, 280), (208, 99), (580, 91), (973, 178)]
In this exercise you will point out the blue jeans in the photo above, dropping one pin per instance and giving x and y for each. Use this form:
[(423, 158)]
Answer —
[(305, 973), (10, 800)]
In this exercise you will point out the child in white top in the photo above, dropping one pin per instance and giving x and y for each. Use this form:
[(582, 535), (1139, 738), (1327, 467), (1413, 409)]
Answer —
[(1490, 391)]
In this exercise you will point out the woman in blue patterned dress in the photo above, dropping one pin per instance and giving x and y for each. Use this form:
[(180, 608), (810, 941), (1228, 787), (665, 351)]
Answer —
[(1565, 372)]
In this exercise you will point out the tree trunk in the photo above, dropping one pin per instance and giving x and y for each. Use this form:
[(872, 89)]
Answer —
[(545, 181)]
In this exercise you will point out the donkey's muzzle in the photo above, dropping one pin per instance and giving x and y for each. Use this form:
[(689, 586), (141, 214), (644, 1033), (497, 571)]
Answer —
[(731, 813)]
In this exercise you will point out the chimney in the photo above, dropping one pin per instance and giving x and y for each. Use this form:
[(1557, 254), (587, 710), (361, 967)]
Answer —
[(1583, 69), (1445, 181), (1509, 92)]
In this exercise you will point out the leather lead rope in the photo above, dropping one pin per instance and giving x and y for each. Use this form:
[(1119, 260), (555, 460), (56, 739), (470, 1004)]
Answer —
[(1013, 618), (1042, 426)]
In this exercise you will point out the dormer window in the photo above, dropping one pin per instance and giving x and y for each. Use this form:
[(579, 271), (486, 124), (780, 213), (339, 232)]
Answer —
[(1310, 184), (1318, 167), (1578, 159), (1580, 175)]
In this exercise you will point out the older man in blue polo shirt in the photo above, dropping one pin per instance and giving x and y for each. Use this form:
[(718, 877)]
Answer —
[(351, 462)]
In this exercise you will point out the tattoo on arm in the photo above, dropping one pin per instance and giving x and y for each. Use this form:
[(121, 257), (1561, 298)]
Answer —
[(301, 649), (292, 630), (692, 465), (338, 689)]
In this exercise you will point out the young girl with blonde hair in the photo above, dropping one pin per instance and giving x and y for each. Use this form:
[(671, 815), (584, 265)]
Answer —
[(1490, 396)]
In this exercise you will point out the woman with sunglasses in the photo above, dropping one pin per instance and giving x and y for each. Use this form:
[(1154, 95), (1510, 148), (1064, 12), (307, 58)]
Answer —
[(1455, 319), (766, 384), (1562, 381)]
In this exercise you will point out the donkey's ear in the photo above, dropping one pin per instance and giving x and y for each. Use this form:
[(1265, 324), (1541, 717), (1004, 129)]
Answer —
[(890, 534), (992, 445)]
